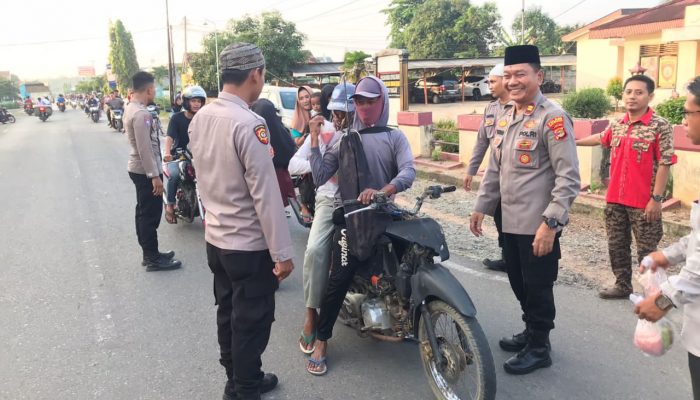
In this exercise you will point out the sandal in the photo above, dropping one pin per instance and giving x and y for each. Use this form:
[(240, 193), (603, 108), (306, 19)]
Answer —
[(317, 363), (170, 216), (307, 340)]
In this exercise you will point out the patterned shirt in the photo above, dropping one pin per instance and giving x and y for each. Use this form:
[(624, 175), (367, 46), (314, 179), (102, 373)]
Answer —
[(636, 150)]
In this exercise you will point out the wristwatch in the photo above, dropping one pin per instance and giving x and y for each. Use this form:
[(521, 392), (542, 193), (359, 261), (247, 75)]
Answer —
[(663, 302), (551, 223), (657, 198)]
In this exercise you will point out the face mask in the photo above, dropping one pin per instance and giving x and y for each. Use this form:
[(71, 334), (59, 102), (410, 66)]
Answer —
[(369, 115)]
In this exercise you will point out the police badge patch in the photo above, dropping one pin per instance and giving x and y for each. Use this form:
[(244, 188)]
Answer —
[(261, 134), (524, 159), (556, 125)]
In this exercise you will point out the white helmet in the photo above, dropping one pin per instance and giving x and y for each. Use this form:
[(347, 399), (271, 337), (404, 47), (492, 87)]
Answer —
[(193, 92)]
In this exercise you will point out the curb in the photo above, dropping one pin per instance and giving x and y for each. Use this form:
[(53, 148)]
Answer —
[(670, 227)]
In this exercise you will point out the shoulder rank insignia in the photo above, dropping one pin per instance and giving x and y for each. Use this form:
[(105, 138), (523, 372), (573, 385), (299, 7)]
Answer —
[(556, 125), (529, 109), (261, 134)]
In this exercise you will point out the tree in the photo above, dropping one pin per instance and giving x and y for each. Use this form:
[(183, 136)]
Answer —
[(278, 39), (615, 89), (122, 55), (95, 84), (354, 65), (399, 14), (159, 73), (8, 89), (443, 28), (543, 31)]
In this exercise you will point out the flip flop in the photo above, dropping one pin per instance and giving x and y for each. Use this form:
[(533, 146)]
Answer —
[(308, 340), (317, 363)]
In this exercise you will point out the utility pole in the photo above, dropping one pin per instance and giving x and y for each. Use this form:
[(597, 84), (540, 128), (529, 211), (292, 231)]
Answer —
[(522, 25), (185, 59), (171, 75)]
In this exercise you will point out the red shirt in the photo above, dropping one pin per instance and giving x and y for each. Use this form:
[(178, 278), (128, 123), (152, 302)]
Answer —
[(636, 151)]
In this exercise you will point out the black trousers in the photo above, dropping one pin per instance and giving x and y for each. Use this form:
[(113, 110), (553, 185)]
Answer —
[(694, 365), (498, 220), (532, 280), (343, 268), (244, 289), (149, 209)]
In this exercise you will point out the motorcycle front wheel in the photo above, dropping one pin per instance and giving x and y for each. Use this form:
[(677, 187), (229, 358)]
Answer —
[(468, 371), (11, 119)]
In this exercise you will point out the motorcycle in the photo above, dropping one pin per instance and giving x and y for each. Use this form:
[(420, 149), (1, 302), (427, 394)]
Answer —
[(44, 112), (6, 117), (188, 203), (62, 107), (29, 109), (155, 112), (74, 104), (117, 118), (415, 297), (95, 113)]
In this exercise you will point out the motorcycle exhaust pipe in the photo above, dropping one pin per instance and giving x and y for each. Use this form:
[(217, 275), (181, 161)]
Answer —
[(385, 338)]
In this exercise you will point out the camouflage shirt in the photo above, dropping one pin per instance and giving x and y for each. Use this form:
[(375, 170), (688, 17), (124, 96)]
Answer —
[(637, 148)]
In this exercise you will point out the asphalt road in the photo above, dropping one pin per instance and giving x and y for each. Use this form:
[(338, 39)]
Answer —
[(81, 319)]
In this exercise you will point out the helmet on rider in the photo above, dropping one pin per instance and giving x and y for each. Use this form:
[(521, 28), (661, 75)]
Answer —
[(193, 92)]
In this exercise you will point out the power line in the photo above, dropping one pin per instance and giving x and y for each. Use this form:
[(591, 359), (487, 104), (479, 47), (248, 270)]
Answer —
[(570, 8), (72, 40)]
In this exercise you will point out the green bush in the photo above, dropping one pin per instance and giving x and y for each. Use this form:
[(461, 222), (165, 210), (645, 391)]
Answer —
[(615, 89), (10, 105), (163, 102), (436, 153), (672, 110), (587, 103), (446, 124)]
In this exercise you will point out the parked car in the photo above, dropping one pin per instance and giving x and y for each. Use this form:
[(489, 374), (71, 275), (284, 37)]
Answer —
[(548, 86), (476, 87), (439, 89), (284, 99)]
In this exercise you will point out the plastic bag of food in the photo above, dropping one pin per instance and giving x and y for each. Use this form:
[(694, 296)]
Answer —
[(652, 338)]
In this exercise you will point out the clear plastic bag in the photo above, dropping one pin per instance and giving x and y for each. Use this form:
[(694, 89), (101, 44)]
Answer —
[(652, 338)]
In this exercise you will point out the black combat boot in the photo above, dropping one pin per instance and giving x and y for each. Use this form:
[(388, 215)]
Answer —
[(534, 356), (514, 343), (268, 382), (167, 255), (496, 265), (161, 264)]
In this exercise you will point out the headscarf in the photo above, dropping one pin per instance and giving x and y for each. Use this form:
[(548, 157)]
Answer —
[(300, 120), (326, 93), (280, 139)]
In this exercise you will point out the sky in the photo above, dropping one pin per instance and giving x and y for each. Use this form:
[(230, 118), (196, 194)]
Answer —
[(45, 39)]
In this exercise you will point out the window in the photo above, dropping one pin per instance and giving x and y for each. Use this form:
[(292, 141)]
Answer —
[(661, 61)]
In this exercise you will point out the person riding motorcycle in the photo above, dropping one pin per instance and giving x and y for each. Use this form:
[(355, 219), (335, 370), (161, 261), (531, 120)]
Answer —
[(193, 99), (114, 103), (60, 99)]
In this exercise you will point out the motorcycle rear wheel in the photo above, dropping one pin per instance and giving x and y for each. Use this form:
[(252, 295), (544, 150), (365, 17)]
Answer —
[(11, 119), (466, 352)]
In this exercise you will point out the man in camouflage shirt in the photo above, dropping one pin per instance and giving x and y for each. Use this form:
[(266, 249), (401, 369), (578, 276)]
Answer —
[(641, 155)]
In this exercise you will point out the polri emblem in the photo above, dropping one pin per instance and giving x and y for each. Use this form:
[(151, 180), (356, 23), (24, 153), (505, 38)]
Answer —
[(525, 159), (261, 134)]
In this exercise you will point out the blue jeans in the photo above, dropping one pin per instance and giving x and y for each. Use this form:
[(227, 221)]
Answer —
[(173, 179)]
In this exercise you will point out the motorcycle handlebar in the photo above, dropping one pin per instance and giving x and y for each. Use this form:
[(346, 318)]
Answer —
[(448, 189)]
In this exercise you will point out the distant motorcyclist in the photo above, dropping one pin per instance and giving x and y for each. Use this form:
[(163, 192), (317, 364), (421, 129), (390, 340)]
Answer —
[(193, 99), (60, 99), (114, 103)]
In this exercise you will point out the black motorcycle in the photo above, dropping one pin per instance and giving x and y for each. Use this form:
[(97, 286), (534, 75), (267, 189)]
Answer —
[(44, 112), (415, 297), (188, 203), (155, 115), (6, 117)]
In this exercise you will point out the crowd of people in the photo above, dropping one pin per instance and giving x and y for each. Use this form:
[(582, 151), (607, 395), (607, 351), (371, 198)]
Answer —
[(339, 142)]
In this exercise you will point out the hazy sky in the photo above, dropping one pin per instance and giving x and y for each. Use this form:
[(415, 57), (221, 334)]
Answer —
[(49, 38)]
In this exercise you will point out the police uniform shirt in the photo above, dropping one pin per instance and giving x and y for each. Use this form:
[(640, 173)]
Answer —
[(533, 167), (237, 181), (485, 135), (144, 157)]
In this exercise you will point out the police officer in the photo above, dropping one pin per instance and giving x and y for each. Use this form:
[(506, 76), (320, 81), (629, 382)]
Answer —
[(534, 173), (485, 138), (146, 172), (249, 248)]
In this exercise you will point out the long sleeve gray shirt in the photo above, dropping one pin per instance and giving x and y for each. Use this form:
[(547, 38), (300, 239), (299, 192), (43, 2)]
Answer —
[(388, 154), (485, 135)]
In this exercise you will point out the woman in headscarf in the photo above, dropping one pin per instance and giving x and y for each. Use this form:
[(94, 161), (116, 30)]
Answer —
[(282, 146), (302, 115), (317, 257), (326, 94)]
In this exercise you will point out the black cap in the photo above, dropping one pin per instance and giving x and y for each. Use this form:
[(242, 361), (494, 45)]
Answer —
[(525, 54)]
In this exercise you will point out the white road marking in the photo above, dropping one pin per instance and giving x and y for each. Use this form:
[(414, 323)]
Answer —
[(464, 269)]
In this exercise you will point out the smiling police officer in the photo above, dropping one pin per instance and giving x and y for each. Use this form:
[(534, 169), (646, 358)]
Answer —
[(534, 173)]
